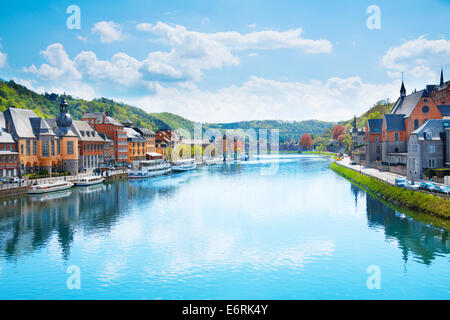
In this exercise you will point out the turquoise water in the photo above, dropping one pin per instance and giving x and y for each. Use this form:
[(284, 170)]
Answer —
[(221, 232)]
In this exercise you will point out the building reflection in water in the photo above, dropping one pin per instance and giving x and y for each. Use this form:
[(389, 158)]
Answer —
[(420, 239), (28, 223)]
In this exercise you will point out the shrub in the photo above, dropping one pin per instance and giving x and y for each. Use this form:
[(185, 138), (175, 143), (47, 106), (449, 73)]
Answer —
[(415, 200)]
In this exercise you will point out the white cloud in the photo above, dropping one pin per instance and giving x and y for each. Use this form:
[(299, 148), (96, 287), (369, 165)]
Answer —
[(3, 57), (109, 31), (420, 58), (82, 39), (192, 52), (121, 69), (261, 99), (59, 65)]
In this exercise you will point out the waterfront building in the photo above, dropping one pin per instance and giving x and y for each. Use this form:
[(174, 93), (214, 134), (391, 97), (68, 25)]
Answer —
[(9, 157), (39, 147), (136, 143), (387, 139), (108, 151), (165, 139), (427, 147), (149, 137), (91, 146), (113, 129)]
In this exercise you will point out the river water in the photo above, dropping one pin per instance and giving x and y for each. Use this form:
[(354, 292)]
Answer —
[(264, 229)]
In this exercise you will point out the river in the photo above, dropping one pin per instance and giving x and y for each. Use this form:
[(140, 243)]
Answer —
[(222, 232)]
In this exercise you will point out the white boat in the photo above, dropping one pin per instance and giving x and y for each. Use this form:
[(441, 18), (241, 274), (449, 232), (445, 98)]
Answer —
[(89, 181), (149, 168), (212, 161), (49, 187), (184, 165)]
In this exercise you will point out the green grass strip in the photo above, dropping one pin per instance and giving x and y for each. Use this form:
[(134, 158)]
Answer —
[(415, 200)]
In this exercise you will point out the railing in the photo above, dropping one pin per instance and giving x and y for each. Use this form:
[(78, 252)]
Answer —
[(72, 178)]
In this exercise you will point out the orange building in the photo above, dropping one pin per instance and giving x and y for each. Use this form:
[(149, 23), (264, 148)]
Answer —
[(39, 146), (114, 130), (136, 143)]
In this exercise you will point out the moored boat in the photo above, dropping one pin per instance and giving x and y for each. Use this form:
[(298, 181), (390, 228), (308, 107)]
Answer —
[(89, 181), (184, 165), (149, 168), (49, 187)]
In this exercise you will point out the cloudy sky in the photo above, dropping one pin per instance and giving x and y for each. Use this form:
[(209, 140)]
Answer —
[(222, 61)]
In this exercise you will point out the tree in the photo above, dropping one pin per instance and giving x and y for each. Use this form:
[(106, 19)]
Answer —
[(306, 141), (338, 132)]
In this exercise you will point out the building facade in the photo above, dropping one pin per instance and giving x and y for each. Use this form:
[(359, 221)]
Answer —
[(91, 147), (114, 130), (9, 157)]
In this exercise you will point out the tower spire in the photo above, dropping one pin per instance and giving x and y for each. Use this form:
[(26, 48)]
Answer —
[(402, 89), (442, 78)]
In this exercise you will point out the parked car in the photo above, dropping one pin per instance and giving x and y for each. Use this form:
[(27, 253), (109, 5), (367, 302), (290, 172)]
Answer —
[(429, 186), (16, 180), (4, 180), (400, 182), (443, 189), (411, 186), (353, 163)]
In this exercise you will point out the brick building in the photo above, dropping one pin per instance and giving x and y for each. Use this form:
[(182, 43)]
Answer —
[(114, 130)]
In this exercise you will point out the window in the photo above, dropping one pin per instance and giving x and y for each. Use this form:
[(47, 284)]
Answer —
[(396, 136), (431, 148), (425, 109), (21, 148), (377, 138), (58, 146), (70, 147), (45, 149), (28, 147), (53, 147), (416, 124), (34, 147), (428, 135), (431, 163)]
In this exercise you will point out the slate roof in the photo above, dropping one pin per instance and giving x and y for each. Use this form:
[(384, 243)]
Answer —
[(52, 123), (407, 104), (2, 120), (375, 125), (101, 117), (445, 110), (85, 132), (395, 122), (433, 126), (145, 131), (133, 135), (26, 124)]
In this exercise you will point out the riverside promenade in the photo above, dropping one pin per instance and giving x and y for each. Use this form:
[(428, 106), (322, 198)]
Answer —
[(387, 177)]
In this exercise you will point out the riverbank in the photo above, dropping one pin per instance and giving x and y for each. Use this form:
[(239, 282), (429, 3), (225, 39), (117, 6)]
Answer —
[(415, 200)]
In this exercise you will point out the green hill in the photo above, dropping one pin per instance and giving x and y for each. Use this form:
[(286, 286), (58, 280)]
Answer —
[(376, 112), (47, 106)]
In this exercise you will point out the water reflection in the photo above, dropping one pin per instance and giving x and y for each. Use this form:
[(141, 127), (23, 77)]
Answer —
[(422, 240), (219, 222)]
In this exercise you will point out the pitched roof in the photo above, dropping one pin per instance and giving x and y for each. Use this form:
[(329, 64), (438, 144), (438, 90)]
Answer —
[(2, 120), (85, 132), (395, 122), (133, 135), (101, 117), (375, 125), (445, 110), (145, 131), (26, 124), (434, 127), (59, 131), (407, 104)]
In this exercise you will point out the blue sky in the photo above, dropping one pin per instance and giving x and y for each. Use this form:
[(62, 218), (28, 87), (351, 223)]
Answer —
[(222, 61)]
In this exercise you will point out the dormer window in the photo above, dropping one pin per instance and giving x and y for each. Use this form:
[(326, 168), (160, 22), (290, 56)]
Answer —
[(93, 133), (428, 135), (82, 132)]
